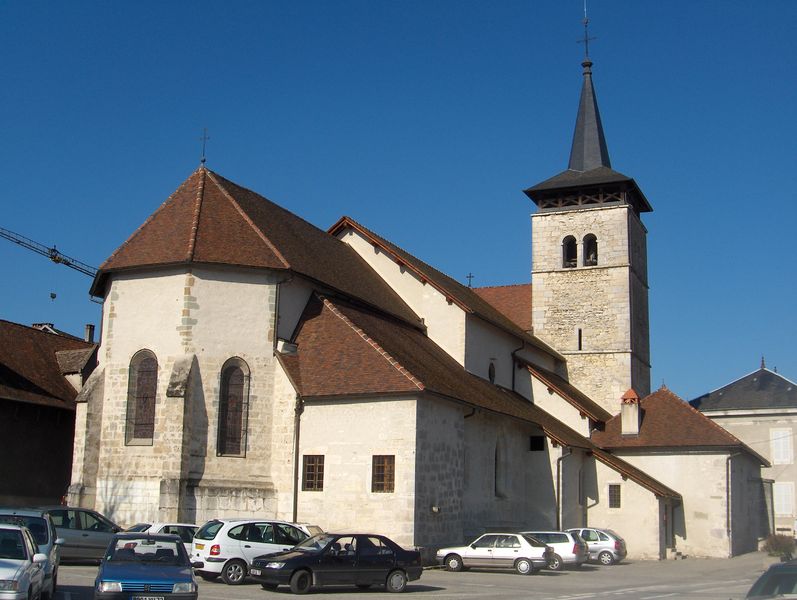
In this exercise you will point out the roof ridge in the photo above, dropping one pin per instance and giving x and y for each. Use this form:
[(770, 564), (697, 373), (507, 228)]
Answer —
[(373, 343), (738, 379), (248, 220), (200, 195)]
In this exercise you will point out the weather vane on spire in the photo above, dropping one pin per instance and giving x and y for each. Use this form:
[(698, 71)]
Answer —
[(204, 140), (586, 39)]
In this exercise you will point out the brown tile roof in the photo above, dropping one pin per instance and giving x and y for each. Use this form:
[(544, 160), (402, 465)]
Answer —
[(464, 297), (669, 422), (573, 395), (29, 368), (345, 351), (514, 301), (210, 220)]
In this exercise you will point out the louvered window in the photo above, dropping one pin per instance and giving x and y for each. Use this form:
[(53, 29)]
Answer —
[(784, 499), (233, 408), (383, 473), (142, 386), (780, 446)]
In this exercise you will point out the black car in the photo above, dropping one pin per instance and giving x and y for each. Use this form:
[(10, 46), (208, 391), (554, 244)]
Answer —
[(779, 581), (361, 559)]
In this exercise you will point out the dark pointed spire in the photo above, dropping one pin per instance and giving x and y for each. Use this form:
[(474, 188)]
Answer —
[(589, 144)]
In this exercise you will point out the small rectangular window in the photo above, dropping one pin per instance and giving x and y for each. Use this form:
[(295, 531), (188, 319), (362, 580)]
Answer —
[(313, 473), (783, 499), (614, 495), (780, 446), (383, 473), (536, 443)]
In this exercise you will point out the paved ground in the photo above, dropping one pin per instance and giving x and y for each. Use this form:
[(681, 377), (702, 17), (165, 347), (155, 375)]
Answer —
[(692, 579)]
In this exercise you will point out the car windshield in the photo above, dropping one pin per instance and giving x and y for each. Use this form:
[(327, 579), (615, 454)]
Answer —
[(145, 549), (209, 530), (11, 544), (775, 583), (315, 543), (37, 526)]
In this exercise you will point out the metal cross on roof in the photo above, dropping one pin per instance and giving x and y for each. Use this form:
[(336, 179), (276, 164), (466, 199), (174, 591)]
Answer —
[(586, 39), (470, 277), (204, 140)]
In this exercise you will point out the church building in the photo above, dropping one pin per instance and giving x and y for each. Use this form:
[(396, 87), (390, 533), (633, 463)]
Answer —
[(251, 364)]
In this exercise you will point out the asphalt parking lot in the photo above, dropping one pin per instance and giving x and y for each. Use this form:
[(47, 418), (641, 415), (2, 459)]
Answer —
[(699, 579)]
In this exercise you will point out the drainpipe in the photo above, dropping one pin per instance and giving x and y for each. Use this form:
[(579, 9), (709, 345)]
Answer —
[(297, 421), (559, 487), (514, 364), (728, 528)]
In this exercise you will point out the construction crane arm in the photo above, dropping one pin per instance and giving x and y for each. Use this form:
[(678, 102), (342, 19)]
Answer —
[(50, 252)]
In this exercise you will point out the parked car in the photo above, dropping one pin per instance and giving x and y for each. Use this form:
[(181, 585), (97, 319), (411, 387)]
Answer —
[(568, 547), (86, 533), (21, 565), (605, 546), (144, 566), (43, 531), (516, 551), (779, 581), (227, 546), (328, 559), (185, 531)]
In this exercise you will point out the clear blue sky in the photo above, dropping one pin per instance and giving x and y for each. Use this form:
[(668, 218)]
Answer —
[(424, 121)]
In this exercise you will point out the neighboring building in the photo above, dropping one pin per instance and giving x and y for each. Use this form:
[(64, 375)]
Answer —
[(252, 364), (41, 372), (761, 410)]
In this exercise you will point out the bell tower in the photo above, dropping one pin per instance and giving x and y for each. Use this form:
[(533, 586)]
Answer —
[(589, 265)]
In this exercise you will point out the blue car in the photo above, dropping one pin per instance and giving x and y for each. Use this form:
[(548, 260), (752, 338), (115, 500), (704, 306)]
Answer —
[(138, 566)]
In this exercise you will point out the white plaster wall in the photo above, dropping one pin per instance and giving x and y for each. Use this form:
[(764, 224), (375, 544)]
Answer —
[(700, 523), (348, 434), (293, 297), (637, 520), (556, 406), (445, 321)]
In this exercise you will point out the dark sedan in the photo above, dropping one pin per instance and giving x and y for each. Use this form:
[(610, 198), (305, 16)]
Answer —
[(138, 566), (326, 559)]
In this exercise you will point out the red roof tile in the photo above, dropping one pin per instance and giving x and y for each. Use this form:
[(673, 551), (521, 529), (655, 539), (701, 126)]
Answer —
[(344, 351), (210, 220), (29, 367), (669, 422), (463, 296), (514, 301)]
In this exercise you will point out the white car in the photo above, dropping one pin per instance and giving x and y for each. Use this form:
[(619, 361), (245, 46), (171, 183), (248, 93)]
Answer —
[(228, 546), (43, 532), (568, 547), (185, 531), (515, 551), (21, 565)]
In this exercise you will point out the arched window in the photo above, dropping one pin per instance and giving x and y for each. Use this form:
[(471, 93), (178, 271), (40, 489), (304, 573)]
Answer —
[(590, 250), (142, 387), (233, 408), (569, 252)]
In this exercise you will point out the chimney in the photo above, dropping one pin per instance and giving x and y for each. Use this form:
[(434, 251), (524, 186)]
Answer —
[(630, 415), (89, 335)]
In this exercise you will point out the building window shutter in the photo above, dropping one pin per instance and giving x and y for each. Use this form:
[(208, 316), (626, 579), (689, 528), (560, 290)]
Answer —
[(780, 442), (784, 499)]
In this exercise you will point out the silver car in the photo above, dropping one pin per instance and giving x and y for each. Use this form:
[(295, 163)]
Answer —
[(568, 547), (515, 551), (605, 546), (43, 532), (86, 533)]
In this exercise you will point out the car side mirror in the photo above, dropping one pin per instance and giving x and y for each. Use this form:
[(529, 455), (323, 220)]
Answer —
[(59, 541), (473, 546), (39, 558)]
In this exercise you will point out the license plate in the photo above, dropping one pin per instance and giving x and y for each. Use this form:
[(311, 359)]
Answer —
[(199, 546), (146, 598), (254, 571)]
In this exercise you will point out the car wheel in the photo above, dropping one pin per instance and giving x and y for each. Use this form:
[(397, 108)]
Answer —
[(606, 558), (524, 566), (269, 586), (555, 564), (234, 572), (209, 576), (301, 582), (396, 581), (453, 562)]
